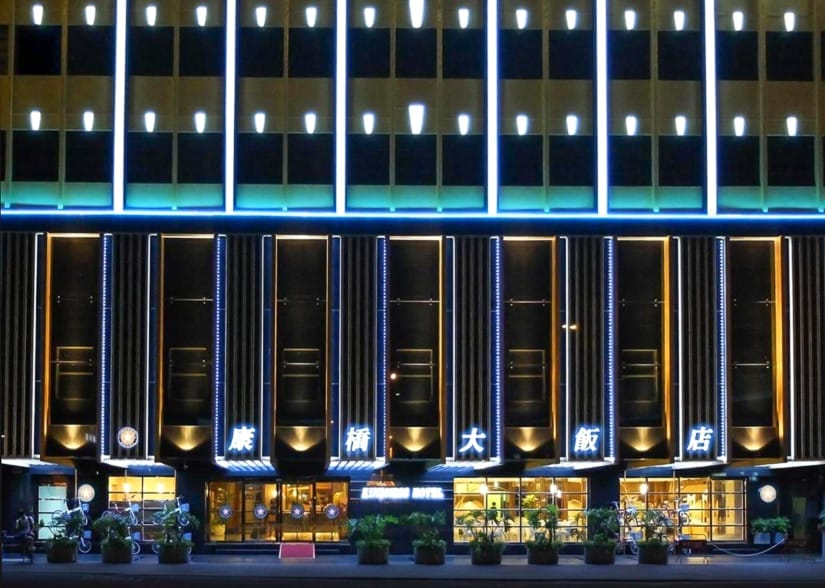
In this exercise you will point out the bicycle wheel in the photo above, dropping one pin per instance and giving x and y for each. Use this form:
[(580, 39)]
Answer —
[(634, 548), (183, 520), (58, 517), (157, 518), (188, 550), (84, 545), (135, 547), (155, 548)]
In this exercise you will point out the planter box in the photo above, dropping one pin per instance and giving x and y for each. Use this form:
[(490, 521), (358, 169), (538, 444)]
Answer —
[(600, 554), (779, 537), (542, 555), (761, 538), (486, 555), (173, 554), (60, 553), (653, 554), (431, 556), (116, 555), (373, 555)]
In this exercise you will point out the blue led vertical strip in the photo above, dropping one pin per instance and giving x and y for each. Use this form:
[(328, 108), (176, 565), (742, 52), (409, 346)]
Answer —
[(219, 341), (229, 106), (119, 122), (496, 321), (449, 334), (602, 162), (335, 347), (710, 107), (492, 106), (381, 347), (105, 341), (153, 278), (610, 449), (340, 106), (266, 405), (722, 336)]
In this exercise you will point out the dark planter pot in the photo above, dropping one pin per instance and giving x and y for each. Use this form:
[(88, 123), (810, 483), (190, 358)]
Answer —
[(486, 555), (61, 553), (373, 554), (431, 556), (600, 554), (653, 554), (542, 555), (116, 554), (173, 554)]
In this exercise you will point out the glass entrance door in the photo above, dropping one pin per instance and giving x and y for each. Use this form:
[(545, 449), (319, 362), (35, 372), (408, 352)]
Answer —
[(297, 512)]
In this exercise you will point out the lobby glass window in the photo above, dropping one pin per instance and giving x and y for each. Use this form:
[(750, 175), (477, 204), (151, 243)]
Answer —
[(51, 498), (146, 495), (790, 161), (260, 158), (36, 156)]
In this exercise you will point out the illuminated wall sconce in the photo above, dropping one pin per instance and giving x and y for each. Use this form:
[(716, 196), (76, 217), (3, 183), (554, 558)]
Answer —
[(88, 120), (792, 124), (34, 119), (200, 121), (260, 16), (681, 125), (790, 21), (522, 123), (571, 16), (91, 13), (521, 18), (643, 488), (311, 13), (200, 15), (149, 121), (631, 123), (368, 120), (151, 15), (679, 20), (416, 113), (630, 19), (738, 20), (260, 122), (416, 13), (463, 17), (369, 16), (463, 124), (37, 14), (739, 126), (572, 124), (767, 493), (310, 119)]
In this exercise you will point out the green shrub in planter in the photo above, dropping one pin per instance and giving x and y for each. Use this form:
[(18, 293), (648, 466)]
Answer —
[(761, 528), (544, 548), (428, 546), (116, 543), (63, 547), (371, 542), (653, 548), (173, 546), (602, 535), (486, 530)]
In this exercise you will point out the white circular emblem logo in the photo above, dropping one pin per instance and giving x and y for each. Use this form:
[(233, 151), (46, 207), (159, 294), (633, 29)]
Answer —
[(127, 437)]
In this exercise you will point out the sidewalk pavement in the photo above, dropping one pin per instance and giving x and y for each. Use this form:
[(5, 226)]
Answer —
[(326, 571)]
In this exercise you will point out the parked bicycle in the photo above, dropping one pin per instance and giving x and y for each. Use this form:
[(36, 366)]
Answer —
[(181, 511), (130, 515), (173, 519), (62, 517)]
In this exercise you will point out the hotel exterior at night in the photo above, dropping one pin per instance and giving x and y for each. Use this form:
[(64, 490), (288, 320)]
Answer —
[(302, 260)]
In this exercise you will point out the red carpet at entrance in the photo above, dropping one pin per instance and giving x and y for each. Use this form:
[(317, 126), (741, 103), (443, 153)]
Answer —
[(297, 551)]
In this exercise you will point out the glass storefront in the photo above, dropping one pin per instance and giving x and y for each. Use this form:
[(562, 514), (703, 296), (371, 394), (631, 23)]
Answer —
[(149, 493), (700, 507), (256, 511), (514, 497)]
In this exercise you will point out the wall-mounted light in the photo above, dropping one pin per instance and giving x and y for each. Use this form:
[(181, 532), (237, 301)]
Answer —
[(260, 122), (790, 21), (571, 16), (37, 14), (463, 17), (630, 19), (369, 16), (200, 15), (368, 120), (572, 122), (416, 113), (200, 121), (631, 124), (310, 120), (91, 13), (88, 120), (522, 124), (149, 121), (739, 126), (416, 13), (767, 493), (643, 488), (738, 20), (681, 125), (260, 16), (151, 15), (792, 124), (311, 13), (463, 124), (34, 119), (679, 20), (521, 18)]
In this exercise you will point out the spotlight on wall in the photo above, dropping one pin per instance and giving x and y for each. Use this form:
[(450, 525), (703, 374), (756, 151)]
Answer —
[(463, 17), (571, 16), (792, 124), (368, 120), (630, 19), (260, 16), (34, 119), (681, 124), (738, 20), (260, 122), (739, 126), (416, 113), (151, 15), (311, 14), (572, 124), (767, 493), (463, 124), (522, 124), (37, 14), (679, 20), (310, 120), (91, 13), (369, 16), (790, 21), (631, 123), (88, 120), (200, 121), (521, 18), (416, 13), (149, 121), (200, 15)]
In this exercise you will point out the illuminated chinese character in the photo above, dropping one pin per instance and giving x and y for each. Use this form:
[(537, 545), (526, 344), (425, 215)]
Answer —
[(472, 441), (700, 439), (586, 440), (358, 439), (243, 439)]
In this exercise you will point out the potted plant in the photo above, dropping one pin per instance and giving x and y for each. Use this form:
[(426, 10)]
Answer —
[(428, 546), (371, 542), (486, 530), (116, 543), (654, 545), (780, 527), (62, 548), (544, 547), (602, 534), (174, 546), (761, 528)]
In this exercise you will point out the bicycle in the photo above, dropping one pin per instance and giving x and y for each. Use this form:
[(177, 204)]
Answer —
[(174, 518), (75, 518), (181, 512), (60, 516), (130, 514)]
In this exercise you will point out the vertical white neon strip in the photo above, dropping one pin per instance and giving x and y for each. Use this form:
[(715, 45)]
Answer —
[(568, 321), (791, 346), (492, 106), (229, 113), (261, 356), (341, 106), (710, 105), (497, 351), (105, 335), (680, 365), (611, 342), (452, 449), (33, 396), (340, 338), (601, 108), (149, 240), (119, 122), (723, 350)]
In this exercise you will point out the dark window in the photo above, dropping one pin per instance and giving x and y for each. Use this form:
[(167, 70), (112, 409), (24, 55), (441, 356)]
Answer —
[(35, 156), (4, 50), (571, 55), (736, 55), (738, 161), (571, 160), (38, 50), (415, 51), (369, 53), (463, 53), (681, 56), (309, 159), (368, 160), (149, 158), (91, 51), (202, 51), (629, 55), (200, 158), (260, 158), (415, 160), (311, 53), (521, 160), (629, 160), (2, 156), (520, 54), (790, 161), (151, 51), (89, 156), (681, 161), (261, 52), (462, 160), (789, 56)]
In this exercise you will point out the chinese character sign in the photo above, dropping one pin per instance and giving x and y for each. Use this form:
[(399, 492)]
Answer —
[(243, 439), (358, 440), (700, 440), (586, 440), (472, 441)]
